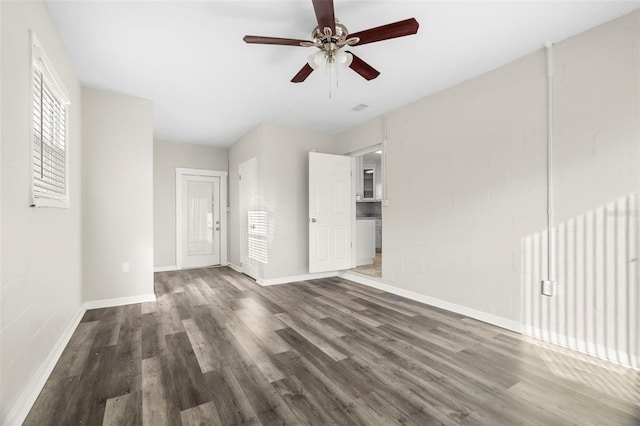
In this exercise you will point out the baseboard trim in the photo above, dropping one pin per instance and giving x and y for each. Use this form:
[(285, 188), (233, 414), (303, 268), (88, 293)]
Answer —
[(615, 356), (118, 301), (438, 303), (19, 412), (235, 267), (619, 357), (294, 278), (165, 268), (21, 409), (364, 261)]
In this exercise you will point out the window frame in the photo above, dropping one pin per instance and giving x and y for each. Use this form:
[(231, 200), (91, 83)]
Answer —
[(40, 62)]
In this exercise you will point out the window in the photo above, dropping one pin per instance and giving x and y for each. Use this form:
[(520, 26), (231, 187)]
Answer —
[(49, 133)]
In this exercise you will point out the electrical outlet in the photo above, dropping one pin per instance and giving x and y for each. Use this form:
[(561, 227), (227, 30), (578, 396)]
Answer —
[(385, 203), (547, 288), (125, 267)]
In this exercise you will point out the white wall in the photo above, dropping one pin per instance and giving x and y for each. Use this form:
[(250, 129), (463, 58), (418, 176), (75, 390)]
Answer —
[(118, 194), (596, 158), (467, 175), (41, 260), (167, 156), (367, 134), (465, 180), (285, 171), (283, 188), (597, 116)]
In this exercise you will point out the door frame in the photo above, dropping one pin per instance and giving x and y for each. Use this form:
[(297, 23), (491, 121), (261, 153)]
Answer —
[(250, 271), (354, 184), (224, 209)]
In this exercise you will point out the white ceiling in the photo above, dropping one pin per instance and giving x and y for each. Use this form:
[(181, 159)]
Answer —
[(208, 86)]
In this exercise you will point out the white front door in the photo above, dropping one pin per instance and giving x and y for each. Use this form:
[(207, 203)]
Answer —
[(248, 202), (200, 221), (329, 212)]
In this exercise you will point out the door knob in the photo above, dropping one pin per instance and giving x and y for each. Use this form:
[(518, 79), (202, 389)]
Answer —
[(313, 220)]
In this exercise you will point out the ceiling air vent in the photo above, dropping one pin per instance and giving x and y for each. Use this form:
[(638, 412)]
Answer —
[(360, 107)]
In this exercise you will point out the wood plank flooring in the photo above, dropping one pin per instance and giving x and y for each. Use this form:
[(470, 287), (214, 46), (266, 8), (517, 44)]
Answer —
[(217, 349)]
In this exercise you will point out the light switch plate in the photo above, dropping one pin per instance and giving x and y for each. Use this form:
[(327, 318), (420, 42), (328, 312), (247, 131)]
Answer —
[(125, 267), (547, 287)]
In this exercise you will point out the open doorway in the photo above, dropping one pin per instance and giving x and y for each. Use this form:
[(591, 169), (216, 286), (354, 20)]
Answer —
[(368, 196)]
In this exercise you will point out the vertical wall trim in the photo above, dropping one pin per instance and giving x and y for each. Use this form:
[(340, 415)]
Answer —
[(385, 196), (550, 265)]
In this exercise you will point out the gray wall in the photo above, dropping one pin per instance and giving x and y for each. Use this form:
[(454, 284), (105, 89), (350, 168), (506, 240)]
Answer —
[(467, 183), (167, 156), (118, 193), (283, 185), (41, 259)]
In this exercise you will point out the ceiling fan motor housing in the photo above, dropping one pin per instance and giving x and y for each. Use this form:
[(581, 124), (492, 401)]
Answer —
[(329, 42)]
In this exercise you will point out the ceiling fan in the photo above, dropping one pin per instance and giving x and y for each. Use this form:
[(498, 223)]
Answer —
[(332, 38)]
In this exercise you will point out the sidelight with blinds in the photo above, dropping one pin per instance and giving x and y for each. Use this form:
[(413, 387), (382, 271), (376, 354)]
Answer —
[(49, 124)]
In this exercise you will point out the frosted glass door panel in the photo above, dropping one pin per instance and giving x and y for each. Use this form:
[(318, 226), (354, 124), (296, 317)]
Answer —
[(200, 236), (200, 218)]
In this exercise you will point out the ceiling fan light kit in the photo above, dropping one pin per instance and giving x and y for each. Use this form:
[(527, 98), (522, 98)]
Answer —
[(322, 57), (332, 38)]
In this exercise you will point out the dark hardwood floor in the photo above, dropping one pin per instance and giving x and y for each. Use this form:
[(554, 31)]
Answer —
[(218, 349)]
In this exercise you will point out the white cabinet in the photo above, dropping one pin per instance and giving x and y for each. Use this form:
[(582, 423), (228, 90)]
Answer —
[(359, 181), (371, 176), (368, 173), (365, 241)]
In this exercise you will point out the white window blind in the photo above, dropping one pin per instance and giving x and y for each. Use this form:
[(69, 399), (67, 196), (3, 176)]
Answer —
[(258, 234), (49, 134)]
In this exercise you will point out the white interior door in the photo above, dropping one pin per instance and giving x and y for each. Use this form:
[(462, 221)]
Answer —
[(200, 237), (248, 202), (329, 212)]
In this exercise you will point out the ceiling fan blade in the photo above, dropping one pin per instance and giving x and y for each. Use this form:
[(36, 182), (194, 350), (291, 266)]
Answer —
[(302, 74), (385, 32), (363, 68), (273, 40), (325, 15)]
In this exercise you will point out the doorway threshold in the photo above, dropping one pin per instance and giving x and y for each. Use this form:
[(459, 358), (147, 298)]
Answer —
[(374, 270)]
